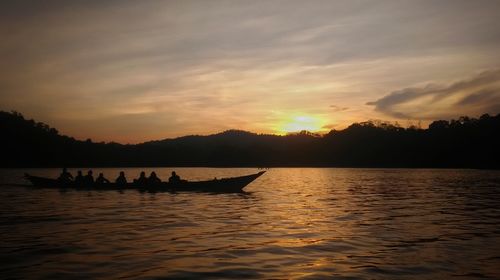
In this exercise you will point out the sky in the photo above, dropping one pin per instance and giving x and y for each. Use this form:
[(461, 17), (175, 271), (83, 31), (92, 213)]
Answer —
[(131, 71)]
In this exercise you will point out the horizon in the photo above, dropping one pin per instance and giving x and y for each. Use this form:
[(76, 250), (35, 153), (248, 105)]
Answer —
[(376, 123), (131, 72), (409, 125)]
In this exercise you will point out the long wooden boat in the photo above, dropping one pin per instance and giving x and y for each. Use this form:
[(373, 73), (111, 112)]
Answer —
[(233, 184)]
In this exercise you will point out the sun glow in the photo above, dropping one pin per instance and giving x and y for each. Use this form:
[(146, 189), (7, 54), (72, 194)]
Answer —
[(300, 123)]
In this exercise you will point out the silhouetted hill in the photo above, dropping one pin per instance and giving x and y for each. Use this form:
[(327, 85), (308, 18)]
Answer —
[(466, 142)]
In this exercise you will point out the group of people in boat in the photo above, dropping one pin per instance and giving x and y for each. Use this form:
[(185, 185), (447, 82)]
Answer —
[(80, 179)]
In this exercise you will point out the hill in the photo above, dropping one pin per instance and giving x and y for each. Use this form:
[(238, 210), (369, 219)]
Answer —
[(463, 143)]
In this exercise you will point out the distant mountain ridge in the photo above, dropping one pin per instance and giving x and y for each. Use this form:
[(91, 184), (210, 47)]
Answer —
[(463, 143)]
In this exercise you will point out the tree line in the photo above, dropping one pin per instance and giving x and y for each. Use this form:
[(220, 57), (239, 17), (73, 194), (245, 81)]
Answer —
[(462, 143)]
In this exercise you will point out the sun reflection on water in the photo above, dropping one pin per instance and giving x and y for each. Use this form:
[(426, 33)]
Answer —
[(291, 223)]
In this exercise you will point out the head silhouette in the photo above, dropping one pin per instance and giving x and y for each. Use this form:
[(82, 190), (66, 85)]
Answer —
[(173, 173), (153, 174), (80, 172), (122, 174), (101, 175), (143, 174), (65, 170)]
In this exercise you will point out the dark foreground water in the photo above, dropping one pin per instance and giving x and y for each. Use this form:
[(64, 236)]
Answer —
[(292, 224)]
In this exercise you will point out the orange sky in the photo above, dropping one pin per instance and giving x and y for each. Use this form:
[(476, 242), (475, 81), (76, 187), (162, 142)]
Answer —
[(132, 71)]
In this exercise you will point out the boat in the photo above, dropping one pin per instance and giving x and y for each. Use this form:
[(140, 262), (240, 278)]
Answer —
[(233, 184)]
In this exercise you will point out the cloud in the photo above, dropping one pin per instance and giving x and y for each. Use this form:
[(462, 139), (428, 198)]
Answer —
[(338, 108), (182, 67), (474, 96)]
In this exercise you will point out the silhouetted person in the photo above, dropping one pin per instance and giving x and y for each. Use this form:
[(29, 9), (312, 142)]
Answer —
[(121, 180), (79, 179), (153, 179), (89, 179), (174, 178), (142, 180), (101, 180), (65, 176)]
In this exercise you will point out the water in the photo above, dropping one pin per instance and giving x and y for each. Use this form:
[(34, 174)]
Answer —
[(293, 223)]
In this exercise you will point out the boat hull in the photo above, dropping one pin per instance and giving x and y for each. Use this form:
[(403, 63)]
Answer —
[(234, 184)]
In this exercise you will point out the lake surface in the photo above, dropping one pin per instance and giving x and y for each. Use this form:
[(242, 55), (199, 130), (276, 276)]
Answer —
[(292, 223)]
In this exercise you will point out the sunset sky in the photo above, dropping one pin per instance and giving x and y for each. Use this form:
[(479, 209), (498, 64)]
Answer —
[(132, 71)]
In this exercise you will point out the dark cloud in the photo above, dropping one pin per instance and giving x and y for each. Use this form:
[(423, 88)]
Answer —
[(480, 97), (83, 61), (477, 95), (338, 108)]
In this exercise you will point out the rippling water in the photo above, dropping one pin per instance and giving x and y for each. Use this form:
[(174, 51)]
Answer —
[(299, 223)]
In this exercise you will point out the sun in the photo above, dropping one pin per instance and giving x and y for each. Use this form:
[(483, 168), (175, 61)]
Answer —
[(300, 123)]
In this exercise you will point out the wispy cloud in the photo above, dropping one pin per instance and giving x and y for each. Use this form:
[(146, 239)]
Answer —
[(181, 67), (336, 108), (477, 95)]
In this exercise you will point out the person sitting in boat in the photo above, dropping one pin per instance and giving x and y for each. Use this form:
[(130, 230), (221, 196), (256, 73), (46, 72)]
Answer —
[(142, 180), (101, 180), (174, 178), (65, 176), (79, 179), (121, 180), (89, 179), (153, 179)]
